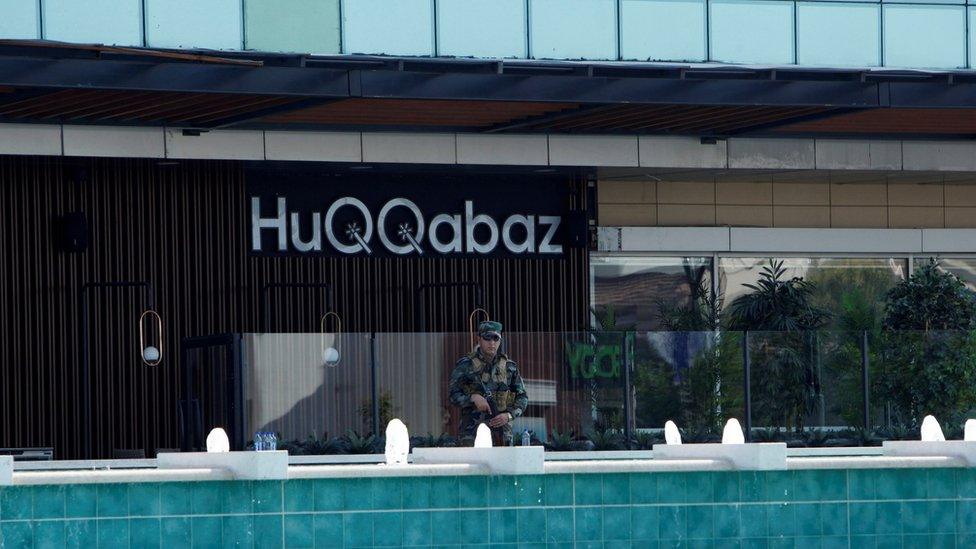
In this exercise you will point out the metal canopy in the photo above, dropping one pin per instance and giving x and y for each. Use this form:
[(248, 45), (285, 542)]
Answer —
[(50, 82)]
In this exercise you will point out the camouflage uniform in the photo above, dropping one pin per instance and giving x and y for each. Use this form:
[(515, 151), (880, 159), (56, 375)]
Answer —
[(502, 383)]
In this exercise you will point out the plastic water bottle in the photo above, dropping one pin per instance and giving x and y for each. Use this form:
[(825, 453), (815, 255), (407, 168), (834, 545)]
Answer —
[(526, 438), (258, 441), (272, 441)]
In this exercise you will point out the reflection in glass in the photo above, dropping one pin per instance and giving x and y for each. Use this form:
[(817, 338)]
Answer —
[(636, 289)]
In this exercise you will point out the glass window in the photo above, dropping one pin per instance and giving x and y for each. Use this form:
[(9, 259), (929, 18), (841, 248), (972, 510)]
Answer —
[(481, 28), (302, 26), (838, 34), (964, 268), (213, 24), (642, 291), (924, 36), (573, 29), (116, 22), (744, 31), (397, 27), (843, 286), (20, 19), (662, 30)]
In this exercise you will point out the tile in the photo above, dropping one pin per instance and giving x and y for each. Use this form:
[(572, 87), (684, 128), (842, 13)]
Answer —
[(752, 520), (113, 500), (532, 525), (206, 498), (268, 531), (113, 532), (588, 489), (144, 532), (616, 489), (357, 529), (928, 193), (781, 519), (916, 217), (472, 525), (444, 492), (858, 217), (417, 528), (686, 192), (473, 491), (672, 522), (671, 488), (143, 499), (559, 490), (901, 484), (82, 534), (48, 501), (503, 525), (50, 534), (699, 486), (327, 495), (863, 518), (643, 488), (237, 531), (502, 491), (834, 542), (267, 496), (644, 522), (751, 486), (818, 485), (914, 516), (357, 494), (387, 493), (415, 492), (942, 514), (725, 487), (809, 520), (616, 523), (589, 523), (530, 490), (205, 531), (327, 529), (960, 218), (299, 530), (299, 495), (890, 518), (744, 216), (835, 519), (237, 497), (445, 527), (778, 486), (691, 215), (16, 502), (865, 192), (387, 529), (966, 515), (17, 534), (700, 521), (621, 192), (744, 192), (812, 193), (801, 216), (862, 484), (174, 498), (888, 541), (175, 532), (726, 521), (559, 525)]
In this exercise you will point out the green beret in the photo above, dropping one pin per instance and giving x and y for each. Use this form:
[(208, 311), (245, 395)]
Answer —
[(490, 327)]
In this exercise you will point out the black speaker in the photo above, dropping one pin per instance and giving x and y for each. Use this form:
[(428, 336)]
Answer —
[(72, 232)]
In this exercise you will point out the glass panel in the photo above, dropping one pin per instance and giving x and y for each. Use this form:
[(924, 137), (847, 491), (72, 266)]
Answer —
[(304, 26), (692, 378), (852, 290), (838, 34), (481, 28), (964, 268), (291, 390), (744, 31), (924, 36), (19, 19), (214, 24), (646, 293), (662, 30), (94, 21), (573, 29), (396, 27)]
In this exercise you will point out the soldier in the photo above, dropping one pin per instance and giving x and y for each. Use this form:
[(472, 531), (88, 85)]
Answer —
[(487, 386)]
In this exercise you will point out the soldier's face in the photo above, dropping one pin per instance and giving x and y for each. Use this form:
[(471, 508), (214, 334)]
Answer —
[(490, 344)]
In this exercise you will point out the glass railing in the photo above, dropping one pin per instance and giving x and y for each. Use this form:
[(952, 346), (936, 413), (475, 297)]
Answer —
[(327, 393)]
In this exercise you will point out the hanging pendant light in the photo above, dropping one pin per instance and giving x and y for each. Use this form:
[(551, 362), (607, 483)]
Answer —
[(330, 354), (151, 355)]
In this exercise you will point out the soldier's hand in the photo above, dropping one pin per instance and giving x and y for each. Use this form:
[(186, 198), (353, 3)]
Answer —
[(480, 403), (499, 421)]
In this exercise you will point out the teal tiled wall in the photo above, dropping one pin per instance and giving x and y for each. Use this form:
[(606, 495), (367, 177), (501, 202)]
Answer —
[(930, 508)]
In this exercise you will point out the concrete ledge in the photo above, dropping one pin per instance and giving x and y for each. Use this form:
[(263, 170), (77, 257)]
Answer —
[(384, 470), (28, 478), (6, 470), (637, 466), (505, 460), (243, 465), (958, 449), (599, 455), (873, 462), (766, 456)]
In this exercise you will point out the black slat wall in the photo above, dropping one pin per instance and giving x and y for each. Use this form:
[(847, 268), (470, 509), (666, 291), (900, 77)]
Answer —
[(183, 227)]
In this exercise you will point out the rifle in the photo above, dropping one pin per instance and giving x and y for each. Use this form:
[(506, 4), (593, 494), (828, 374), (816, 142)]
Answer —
[(484, 417)]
